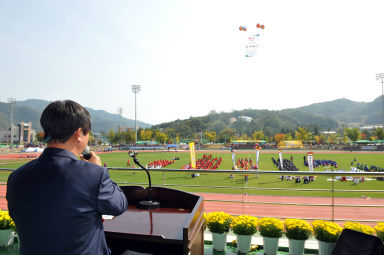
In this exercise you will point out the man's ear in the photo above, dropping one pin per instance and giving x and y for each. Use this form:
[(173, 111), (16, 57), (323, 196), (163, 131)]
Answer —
[(77, 134)]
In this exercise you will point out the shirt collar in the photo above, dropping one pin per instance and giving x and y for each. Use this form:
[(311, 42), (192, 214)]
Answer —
[(48, 152)]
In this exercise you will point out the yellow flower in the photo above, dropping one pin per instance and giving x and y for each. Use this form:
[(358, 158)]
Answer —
[(244, 225), (6, 221), (218, 222), (359, 227), (271, 227), (326, 231), (380, 230), (297, 229)]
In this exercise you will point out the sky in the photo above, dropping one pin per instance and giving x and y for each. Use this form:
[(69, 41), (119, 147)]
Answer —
[(189, 55)]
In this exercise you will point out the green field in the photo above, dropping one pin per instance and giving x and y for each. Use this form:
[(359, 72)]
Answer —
[(238, 185)]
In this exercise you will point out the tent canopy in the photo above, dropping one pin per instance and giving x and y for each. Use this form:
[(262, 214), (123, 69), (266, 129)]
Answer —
[(363, 141)]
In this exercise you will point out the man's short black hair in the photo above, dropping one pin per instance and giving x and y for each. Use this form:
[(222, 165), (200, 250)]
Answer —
[(61, 119)]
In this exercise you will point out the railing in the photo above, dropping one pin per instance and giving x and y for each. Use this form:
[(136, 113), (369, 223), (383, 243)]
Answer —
[(244, 188)]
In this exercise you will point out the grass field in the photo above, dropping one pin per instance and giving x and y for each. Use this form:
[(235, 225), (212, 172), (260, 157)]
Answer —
[(119, 159)]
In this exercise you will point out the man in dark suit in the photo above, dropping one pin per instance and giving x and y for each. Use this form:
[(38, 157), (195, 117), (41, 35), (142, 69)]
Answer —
[(57, 200)]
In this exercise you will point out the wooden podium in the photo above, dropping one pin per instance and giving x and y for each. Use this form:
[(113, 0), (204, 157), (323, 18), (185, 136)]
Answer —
[(174, 228)]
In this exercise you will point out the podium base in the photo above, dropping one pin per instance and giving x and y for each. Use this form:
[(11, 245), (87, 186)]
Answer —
[(148, 204)]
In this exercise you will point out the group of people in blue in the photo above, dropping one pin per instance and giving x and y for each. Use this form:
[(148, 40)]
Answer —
[(323, 162), (365, 168)]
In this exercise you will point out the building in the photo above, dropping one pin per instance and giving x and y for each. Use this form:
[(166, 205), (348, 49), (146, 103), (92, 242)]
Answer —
[(22, 133), (26, 134)]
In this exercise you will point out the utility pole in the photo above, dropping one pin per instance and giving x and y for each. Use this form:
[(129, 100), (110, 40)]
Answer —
[(12, 102), (135, 89), (380, 77)]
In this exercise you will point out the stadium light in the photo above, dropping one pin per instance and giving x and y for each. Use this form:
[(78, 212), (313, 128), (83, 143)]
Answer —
[(119, 112), (12, 102), (380, 77), (135, 89)]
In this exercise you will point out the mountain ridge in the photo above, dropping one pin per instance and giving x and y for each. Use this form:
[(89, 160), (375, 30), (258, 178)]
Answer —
[(323, 116), (32, 108)]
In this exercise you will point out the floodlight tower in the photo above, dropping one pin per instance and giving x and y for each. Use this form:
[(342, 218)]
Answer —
[(120, 112), (135, 89), (380, 77), (12, 102)]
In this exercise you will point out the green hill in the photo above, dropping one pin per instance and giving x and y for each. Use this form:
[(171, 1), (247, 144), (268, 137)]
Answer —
[(316, 117), (347, 111)]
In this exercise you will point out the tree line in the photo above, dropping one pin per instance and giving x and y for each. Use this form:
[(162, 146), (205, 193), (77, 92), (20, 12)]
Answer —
[(127, 136)]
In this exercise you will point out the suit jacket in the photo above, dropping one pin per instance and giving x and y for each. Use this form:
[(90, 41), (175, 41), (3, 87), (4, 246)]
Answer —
[(57, 201)]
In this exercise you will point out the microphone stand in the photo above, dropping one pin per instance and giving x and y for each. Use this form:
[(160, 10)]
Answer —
[(145, 204)]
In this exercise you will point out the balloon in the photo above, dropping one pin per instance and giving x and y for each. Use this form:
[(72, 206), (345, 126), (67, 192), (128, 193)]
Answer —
[(260, 26), (241, 28)]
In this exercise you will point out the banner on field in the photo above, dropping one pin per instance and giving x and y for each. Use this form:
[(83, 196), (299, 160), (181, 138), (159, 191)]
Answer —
[(233, 158), (281, 159), (257, 157), (192, 153), (310, 161)]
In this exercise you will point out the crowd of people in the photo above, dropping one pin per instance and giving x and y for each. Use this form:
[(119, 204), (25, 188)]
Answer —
[(206, 162), (160, 163), (288, 165), (245, 164), (371, 168), (323, 162)]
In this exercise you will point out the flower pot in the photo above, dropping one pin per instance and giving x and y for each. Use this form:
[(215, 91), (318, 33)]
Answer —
[(244, 243), (219, 241), (296, 247), (270, 244), (5, 236), (326, 248)]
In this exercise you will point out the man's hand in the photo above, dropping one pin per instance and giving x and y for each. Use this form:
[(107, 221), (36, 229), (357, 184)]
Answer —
[(94, 159)]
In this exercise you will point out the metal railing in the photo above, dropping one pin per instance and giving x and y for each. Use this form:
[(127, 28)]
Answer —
[(243, 188)]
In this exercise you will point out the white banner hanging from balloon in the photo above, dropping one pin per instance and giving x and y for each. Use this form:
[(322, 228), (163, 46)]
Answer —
[(310, 161), (281, 159)]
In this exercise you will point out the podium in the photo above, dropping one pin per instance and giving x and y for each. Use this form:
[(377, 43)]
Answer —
[(174, 228)]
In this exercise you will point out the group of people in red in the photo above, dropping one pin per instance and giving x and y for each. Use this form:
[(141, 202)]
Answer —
[(206, 162), (245, 164), (160, 163)]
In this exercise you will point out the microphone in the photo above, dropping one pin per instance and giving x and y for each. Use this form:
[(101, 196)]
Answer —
[(145, 204), (86, 154)]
